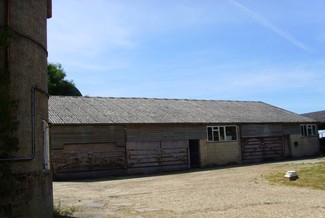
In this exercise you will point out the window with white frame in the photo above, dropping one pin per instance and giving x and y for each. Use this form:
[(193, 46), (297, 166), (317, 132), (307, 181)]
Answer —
[(221, 133), (308, 130)]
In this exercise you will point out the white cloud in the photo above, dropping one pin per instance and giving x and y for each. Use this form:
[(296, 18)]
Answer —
[(267, 24), (92, 27), (272, 80), (80, 28), (117, 48)]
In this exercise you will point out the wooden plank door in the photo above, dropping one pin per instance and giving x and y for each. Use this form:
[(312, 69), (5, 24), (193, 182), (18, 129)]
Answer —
[(83, 160), (258, 149), (157, 156)]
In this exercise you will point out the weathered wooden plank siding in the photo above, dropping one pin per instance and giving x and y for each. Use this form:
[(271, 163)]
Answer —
[(87, 151), (165, 132), (258, 149), (61, 135), (157, 156), (291, 129), (77, 159), (104, 150), (262, 142), (261, 130)]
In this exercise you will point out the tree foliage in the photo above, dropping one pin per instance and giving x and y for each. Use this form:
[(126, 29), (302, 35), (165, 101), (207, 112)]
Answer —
[(57, 84)]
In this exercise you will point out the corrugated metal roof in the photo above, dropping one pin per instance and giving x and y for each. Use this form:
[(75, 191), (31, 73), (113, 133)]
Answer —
[(102, 110)]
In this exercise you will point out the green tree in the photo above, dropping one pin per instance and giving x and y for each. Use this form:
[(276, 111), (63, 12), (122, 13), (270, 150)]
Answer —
[(57, 85)]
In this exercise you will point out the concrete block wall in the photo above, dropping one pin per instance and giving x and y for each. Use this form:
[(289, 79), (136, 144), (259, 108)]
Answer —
[(219, 153), (304, 146)]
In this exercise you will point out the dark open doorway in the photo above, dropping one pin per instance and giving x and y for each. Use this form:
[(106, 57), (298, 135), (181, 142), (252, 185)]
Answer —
[(194, 153)]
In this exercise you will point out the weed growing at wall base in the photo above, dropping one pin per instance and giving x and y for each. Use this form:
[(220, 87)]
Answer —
[(60, 212)]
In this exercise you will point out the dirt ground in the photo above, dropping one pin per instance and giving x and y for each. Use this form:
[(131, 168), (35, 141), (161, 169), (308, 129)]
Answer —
[(221, 192)]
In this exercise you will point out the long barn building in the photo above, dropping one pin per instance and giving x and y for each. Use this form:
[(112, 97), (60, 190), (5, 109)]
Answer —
[(98, 137)]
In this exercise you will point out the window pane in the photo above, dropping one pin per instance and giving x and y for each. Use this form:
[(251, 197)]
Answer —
[(231, 133), (209, 130), (222, 133), (302, 130), (305, 130), (314, 130), (216, 135), (309, 130)]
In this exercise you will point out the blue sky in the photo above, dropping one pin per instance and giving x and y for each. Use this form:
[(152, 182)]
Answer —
[(270, 51)]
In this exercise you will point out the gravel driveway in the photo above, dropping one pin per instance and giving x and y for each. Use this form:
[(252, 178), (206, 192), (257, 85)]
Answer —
[(223, 192)]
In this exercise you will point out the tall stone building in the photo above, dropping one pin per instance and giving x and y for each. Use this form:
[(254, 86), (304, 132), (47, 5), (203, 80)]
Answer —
[(25, 178)]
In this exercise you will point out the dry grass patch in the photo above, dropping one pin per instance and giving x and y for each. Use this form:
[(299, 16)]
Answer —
[(60, 212), (311, 175)]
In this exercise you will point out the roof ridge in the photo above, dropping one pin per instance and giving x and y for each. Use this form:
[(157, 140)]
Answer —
[(315, 112), (146, 98)]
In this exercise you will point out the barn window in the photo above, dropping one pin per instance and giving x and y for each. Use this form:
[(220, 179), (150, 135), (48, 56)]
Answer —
[(221, 133), (308, 130)]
